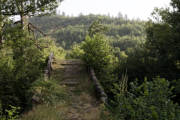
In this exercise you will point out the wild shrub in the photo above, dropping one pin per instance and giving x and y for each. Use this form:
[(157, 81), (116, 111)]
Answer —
[(12, 113), (20, 65), (98, 55), (76, 52), (97, 52), (147, 101)]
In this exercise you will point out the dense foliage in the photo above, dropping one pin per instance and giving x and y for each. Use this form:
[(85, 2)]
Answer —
[(129, 52), (141, 102), (159, 55), (123, 53), (22, 56), (21, 64), (25, 8)]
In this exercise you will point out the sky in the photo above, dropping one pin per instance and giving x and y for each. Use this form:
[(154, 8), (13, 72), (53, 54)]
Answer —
[(134, 9)]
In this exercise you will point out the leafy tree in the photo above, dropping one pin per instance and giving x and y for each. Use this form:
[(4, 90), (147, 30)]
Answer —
[(98, 55), (21, 62), (27, 7), (97, 52), (20, 65), (163, 43), (163, 40), (96, 28)]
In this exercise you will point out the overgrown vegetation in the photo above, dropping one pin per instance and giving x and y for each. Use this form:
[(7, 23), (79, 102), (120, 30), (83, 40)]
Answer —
[(114, 54), (22, 56), (137, 62), (21, 64), (147, 101), (48, 95)]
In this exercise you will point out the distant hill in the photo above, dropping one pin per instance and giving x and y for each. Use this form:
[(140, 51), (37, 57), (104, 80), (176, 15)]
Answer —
[(70, 30)]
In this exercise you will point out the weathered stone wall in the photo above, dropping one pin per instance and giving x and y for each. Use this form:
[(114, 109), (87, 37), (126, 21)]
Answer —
[(98, 87)]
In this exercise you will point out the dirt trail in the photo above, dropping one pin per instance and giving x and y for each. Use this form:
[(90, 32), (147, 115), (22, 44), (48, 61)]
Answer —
[(82, 103)]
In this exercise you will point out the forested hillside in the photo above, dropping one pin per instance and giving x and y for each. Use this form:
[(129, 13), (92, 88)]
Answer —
[(70, 30)]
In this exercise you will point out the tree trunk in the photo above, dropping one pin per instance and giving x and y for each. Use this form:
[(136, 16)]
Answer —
[(23, 16), (24, 22), (1, 30), (0, 39)]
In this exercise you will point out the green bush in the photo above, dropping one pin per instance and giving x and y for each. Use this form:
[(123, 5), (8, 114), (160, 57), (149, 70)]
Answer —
[(12, 113), (76, 52), (48, 45), (148, 101), (97, 52)]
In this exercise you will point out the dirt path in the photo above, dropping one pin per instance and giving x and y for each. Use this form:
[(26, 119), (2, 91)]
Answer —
[(82, 103)]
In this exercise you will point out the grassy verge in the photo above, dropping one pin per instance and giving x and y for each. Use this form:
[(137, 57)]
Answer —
[(51, 97)]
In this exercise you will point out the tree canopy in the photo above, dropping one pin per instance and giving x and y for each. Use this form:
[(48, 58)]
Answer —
[(27, 7)]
